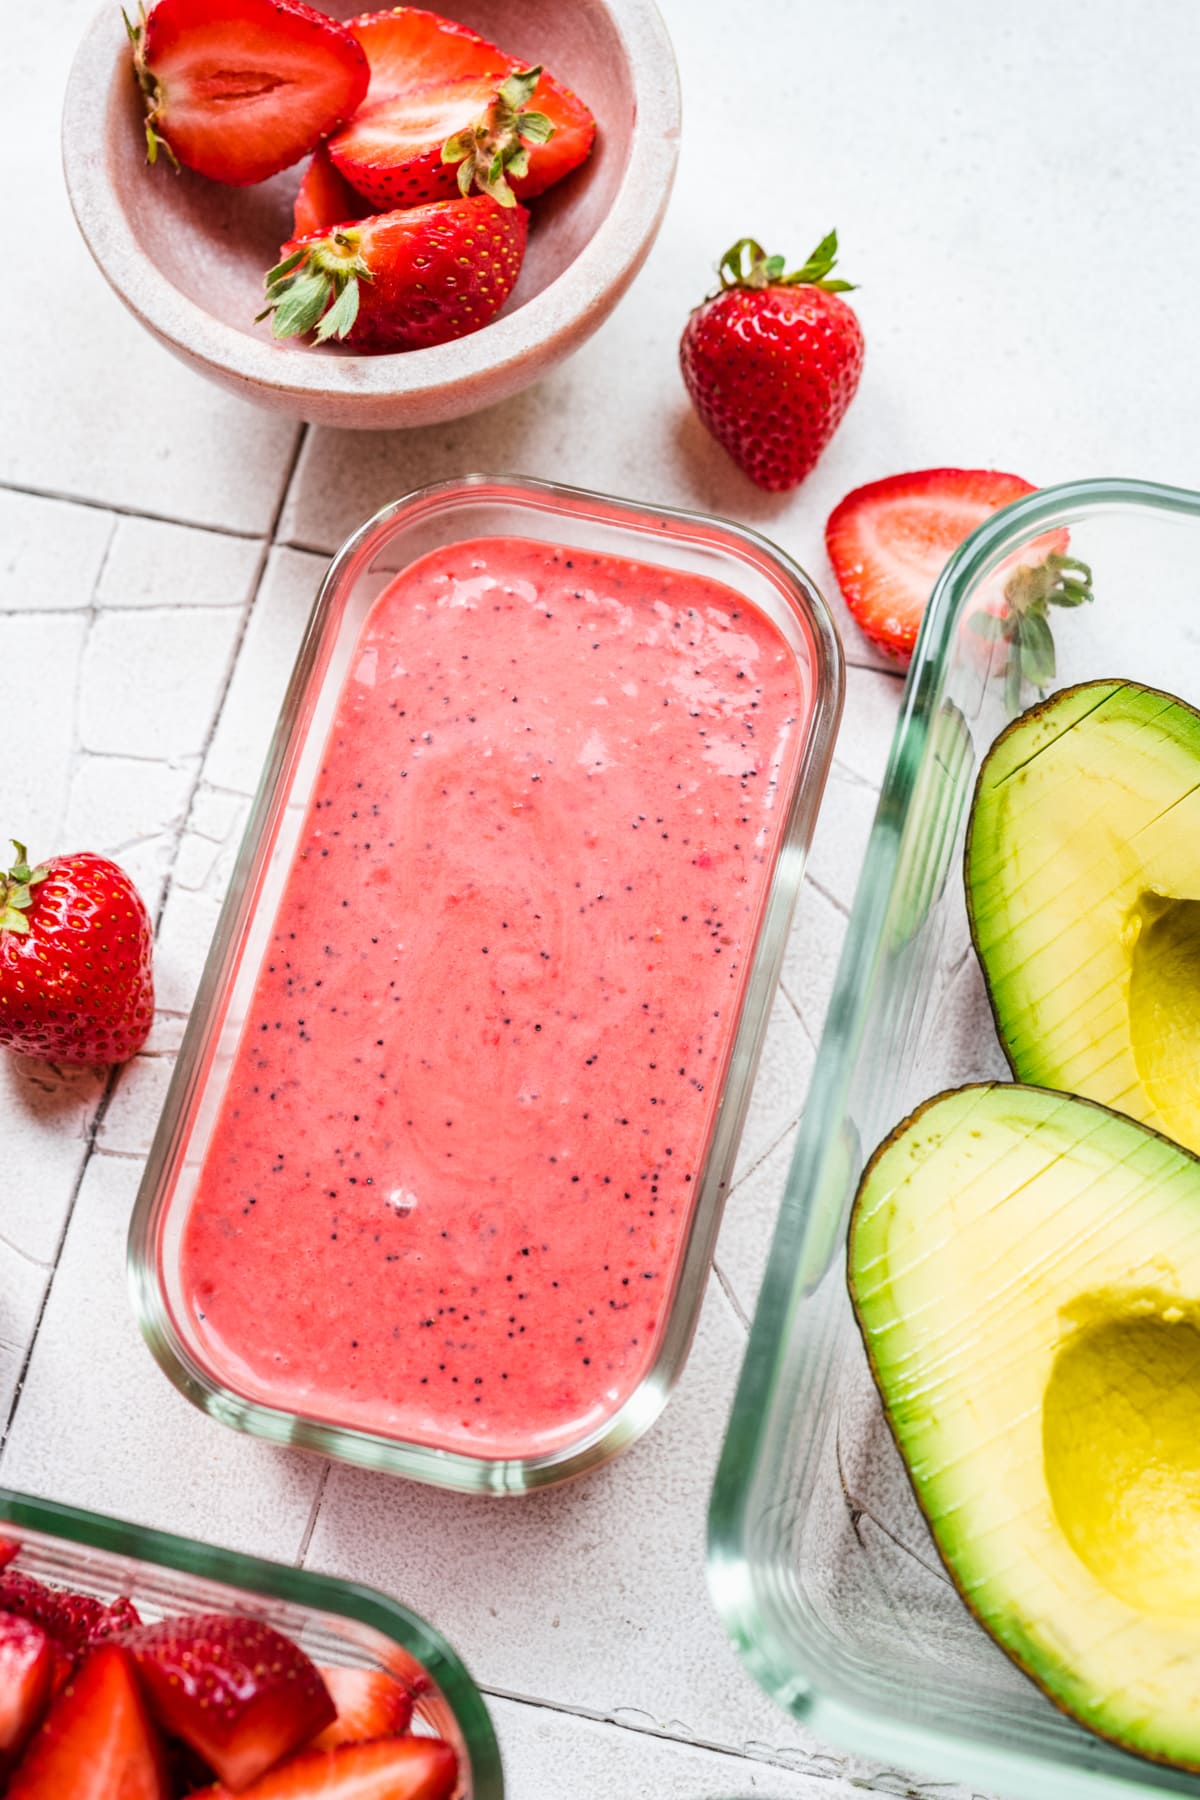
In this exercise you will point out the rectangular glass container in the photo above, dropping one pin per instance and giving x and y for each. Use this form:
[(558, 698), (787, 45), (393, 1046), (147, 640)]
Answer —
[(334, 1622), (448, 514), (819, 1560)]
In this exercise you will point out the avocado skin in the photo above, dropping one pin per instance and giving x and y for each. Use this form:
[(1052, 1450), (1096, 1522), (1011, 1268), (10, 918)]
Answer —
[(1031, 1058), (1071, 1690)]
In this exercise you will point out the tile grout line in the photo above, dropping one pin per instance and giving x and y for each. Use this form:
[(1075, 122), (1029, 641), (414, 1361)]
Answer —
[(313, 1514), (267, 544), (97, 1120), (136, 512), (661, 1735)]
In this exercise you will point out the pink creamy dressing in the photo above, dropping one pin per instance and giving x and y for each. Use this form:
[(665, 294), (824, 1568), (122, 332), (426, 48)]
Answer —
[(452, 1172)]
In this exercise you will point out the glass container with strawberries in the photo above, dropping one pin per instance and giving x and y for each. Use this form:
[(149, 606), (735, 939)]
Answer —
[(141, 1664)]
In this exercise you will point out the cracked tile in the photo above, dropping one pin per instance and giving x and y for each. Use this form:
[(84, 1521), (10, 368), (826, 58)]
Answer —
[(151, 681), (131, 1116), (188, 922), (108, 1431), (779, 1086), (749, 1224), (591, 1595), (47, 1113), (39, 659), (132, 811), (811, 957), (151, 563), (51, 553), (273, 635)]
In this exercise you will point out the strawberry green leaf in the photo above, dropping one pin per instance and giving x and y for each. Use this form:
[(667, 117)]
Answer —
[(298, 310), (285, 267), (1035, 642), (494, 146), (341, 315), (746, 265)]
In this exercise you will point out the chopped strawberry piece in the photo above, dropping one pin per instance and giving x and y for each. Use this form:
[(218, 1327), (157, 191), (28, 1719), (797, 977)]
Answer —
[(370, 1704), (74, 1621), (432, 82), (408, 1768), (401, 280), (324, 198), (238, 89), (889, 541), (97, 1743), (26, 1668), (235, 1689), (9, 1551)]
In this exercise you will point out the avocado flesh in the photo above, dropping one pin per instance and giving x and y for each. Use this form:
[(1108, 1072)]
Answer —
[(1083, 885), (1025, 1267)]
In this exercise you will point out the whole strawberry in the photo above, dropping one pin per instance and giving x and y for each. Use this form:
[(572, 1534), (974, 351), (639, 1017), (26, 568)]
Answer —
[(772, 361), (75, 960)]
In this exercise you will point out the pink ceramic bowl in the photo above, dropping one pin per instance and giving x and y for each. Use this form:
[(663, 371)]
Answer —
[(187, 256)]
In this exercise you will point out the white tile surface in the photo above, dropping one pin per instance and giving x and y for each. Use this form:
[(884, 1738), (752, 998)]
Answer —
[(150, 563), (107, 1431), (591, 1595), (1028, 259), (50, 553)]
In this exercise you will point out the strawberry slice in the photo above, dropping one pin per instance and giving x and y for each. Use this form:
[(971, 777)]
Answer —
[(401, 280), (370, 1704), (410, 1768), (238, 89), (27, 1660), (235, 1689), (97, 1743), (889, 541), (443, 99), (73, 1621), (324, 198)]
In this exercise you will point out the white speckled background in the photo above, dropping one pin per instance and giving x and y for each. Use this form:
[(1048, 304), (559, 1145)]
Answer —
[(1015, 189)]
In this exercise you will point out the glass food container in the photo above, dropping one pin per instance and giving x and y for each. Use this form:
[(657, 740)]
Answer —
[(335, 1622), (819, 1560), (438, 517)]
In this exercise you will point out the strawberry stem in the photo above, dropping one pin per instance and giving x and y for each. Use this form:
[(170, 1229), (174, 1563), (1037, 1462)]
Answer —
[(495, 145), (747, 265), (316, 287), (16, 891), (152, 96), (1029, 593)]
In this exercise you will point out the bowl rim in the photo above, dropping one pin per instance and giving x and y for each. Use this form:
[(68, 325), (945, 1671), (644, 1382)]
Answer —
[(565, 311)]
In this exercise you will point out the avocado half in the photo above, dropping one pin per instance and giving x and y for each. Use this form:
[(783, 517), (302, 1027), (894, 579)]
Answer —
[(1025, 1269), (1083, 889)]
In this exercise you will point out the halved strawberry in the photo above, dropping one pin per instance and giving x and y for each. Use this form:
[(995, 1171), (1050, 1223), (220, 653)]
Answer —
[(401, 280), (889, 541), (238, 89), (410, 1768), (370, 1704), (441, 99), (26, 1668), (235, 1689), (324, 198), (97, 1743)]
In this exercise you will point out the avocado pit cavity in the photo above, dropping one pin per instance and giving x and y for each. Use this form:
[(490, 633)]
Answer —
[(1164, 1007), (1121, 1440)]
